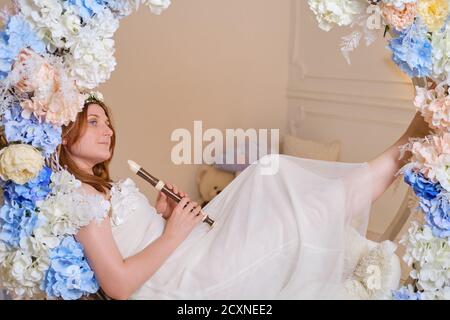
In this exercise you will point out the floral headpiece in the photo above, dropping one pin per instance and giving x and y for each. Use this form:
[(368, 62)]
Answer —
[(42, 75), (94, 96), (420, 46)]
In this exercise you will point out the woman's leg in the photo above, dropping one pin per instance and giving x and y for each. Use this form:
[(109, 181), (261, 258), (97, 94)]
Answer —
[(386, 165)]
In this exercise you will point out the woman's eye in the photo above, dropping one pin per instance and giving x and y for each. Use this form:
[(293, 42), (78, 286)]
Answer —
[(93, 122)]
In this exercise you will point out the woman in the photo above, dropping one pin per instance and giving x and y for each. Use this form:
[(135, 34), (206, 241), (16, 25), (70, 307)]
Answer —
[(278, 236)]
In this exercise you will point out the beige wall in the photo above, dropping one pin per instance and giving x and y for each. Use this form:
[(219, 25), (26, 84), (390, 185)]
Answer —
[(223, 62)]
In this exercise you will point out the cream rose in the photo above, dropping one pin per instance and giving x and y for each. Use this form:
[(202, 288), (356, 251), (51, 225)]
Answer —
[(20, 163)]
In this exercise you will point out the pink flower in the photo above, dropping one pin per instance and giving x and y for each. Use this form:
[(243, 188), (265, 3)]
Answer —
[(399, 18), (430, 155), (434, 104), (55, 98), (32, 74)]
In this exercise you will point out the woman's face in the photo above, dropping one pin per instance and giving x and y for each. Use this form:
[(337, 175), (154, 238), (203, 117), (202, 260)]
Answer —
[(94, 145)]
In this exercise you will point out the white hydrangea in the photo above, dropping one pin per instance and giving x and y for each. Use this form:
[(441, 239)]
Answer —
[(430, 257), (48, 20), (63, 181), (25, 273), (91, 59), (337, 12), (441, 53), (399, 4), (65, 211), (124, 8)]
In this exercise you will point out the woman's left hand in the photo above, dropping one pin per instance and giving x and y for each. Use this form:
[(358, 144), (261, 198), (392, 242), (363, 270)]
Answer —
[(164, 204)]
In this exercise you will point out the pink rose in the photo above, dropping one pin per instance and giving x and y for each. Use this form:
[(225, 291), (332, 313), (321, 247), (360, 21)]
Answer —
[(399, 18)]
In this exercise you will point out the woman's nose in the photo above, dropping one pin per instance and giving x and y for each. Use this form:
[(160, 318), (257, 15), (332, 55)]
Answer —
[(108, 132)]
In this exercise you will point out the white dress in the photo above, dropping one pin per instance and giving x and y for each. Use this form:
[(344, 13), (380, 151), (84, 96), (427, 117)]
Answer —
[(295, 234)]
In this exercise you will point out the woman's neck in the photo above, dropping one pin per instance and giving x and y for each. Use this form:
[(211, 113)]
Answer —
[(84, 165)]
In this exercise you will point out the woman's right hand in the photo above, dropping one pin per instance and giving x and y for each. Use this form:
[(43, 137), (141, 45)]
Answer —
[(185, 216)]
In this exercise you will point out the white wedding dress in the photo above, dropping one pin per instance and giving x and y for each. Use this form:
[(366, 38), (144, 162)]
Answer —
[(292, 235)]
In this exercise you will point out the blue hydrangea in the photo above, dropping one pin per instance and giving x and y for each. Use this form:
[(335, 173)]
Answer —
[(32, 191), (17, 35), (120, 8), (42, 136), (421, 186), (88, 8), (17, 221), (437, 215), (412, 51), (406, 294), (69, 275)]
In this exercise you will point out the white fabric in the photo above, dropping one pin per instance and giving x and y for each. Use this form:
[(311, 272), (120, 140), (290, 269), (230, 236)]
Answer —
[(282, 236)]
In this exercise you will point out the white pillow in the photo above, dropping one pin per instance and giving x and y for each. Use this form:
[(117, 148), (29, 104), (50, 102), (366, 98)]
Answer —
[(301, 148)]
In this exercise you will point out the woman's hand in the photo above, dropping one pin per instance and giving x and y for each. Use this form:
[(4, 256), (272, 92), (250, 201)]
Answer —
[(164, 204), (185, 216)]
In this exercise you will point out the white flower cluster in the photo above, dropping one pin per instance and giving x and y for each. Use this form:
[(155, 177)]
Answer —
[(441, 53), (89, 56), (430, 257), (336, 12), (69, 208), (66, 210), (398, 4), (92, 53)]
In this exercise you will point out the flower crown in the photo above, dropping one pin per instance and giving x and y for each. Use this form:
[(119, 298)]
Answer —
[(93, 97)]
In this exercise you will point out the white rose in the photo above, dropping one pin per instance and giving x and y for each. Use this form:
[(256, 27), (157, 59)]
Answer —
[(339, 12), (20, 163), (157, 6)]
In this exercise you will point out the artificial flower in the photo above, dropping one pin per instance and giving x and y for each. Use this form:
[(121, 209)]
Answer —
[(20, 163)]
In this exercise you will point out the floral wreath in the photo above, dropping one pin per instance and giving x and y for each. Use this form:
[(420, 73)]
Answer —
[(420, 46), (52, 54)]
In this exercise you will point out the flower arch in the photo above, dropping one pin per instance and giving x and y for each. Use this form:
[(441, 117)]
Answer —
[(52, 54), (420, 46)]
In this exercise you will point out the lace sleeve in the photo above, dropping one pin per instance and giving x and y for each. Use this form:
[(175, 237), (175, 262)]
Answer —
[(69, 207), (87, 207), (125, 198)]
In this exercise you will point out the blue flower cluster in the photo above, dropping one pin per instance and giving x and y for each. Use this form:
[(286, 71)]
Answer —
[(412, 52), (69, 275), (32, 191), (421, 186), (87, 8), (437, 215), (17, 221), (17, 35), (18, 217), (405, 294), (42, 136), (433, 201)]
